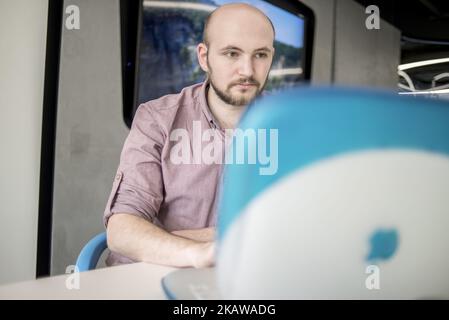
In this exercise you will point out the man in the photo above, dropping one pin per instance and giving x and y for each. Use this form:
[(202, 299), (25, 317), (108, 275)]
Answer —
[(163, 212)]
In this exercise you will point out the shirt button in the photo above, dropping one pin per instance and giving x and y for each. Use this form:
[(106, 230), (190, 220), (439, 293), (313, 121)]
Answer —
[(118, 176)]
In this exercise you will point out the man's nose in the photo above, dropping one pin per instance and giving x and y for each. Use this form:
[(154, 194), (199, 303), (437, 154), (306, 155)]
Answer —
[(246, 67)]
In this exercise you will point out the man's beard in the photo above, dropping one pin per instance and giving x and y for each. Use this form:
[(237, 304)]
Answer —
[(227, 97)]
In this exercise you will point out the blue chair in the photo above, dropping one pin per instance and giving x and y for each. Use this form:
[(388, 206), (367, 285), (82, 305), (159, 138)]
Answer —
[(91, 252)]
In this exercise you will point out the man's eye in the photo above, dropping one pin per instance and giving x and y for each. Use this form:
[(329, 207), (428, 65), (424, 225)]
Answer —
[(261, 55), (232, 54)]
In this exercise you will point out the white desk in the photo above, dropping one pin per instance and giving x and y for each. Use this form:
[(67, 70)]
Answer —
[(132, 281)]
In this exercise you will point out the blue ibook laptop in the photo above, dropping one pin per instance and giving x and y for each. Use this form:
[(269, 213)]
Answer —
[(347, 198)]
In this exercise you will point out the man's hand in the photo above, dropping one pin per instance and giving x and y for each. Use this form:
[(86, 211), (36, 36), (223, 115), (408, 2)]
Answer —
[(203, 252), (203, 255), (205, 234)]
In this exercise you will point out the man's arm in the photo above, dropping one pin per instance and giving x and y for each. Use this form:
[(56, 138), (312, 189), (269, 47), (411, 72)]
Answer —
[(141, 240), (204, 234)]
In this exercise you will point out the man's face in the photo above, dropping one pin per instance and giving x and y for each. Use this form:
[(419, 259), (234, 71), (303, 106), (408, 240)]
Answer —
[(239, 57)]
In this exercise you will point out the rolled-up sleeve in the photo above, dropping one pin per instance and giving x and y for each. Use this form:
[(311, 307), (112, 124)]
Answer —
[(138, 186)]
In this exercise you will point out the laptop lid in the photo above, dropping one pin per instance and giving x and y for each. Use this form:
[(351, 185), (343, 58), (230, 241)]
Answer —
[(357, 205)]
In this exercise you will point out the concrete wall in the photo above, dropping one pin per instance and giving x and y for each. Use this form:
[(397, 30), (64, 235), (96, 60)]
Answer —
[(90, 127), (23, 31), (346, 52), (365, 57)]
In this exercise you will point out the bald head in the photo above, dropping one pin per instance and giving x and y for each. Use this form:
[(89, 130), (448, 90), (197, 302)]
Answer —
[(235, 15)]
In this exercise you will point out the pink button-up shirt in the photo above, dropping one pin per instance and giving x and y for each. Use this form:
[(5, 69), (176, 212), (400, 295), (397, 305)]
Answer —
[(149, 184)]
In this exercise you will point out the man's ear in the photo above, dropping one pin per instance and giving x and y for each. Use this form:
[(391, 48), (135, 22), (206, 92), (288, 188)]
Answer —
[(201, 52)]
